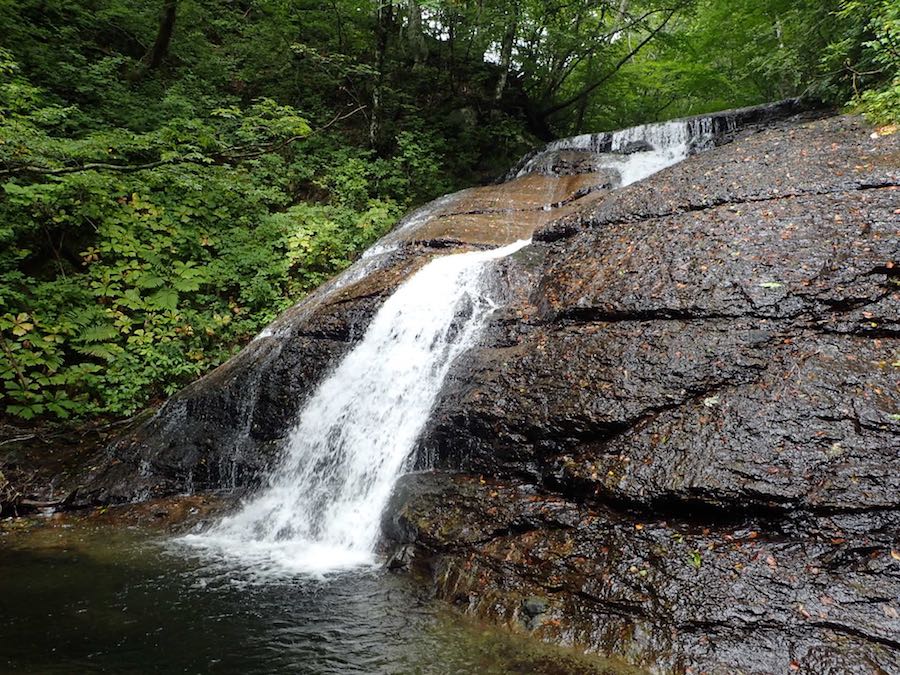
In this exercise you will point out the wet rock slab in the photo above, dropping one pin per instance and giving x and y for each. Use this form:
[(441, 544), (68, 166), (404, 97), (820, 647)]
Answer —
[(671, 594), (501, 214), (706, 354), (836, 154)]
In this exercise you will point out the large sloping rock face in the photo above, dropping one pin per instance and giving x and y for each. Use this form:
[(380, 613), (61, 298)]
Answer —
[(784, 306), (687, 421), (679, 440)]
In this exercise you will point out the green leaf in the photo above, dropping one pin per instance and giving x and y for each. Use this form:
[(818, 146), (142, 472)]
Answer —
[(105, 352), (695, 559), (165, 298), (23, 411), (186, 284), (711, 401), (149, 281), (98, 333)]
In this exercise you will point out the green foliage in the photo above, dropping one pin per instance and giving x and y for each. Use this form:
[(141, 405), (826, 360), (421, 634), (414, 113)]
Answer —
[(172, 279), (880, 105), (120, 286), (696, 559), (876, 74), (718, 54), (153, 219)]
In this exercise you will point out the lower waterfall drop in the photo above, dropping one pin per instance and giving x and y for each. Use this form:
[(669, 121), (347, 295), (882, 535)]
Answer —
[(321, 507)]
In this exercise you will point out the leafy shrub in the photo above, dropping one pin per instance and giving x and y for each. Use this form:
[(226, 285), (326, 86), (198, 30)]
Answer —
[(878, 23), (120, 285)]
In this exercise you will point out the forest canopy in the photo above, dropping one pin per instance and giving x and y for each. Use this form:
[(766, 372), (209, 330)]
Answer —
[(175, 173)]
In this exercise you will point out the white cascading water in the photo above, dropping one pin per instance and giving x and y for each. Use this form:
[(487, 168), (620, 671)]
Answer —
[(671, 142), (321, 508)]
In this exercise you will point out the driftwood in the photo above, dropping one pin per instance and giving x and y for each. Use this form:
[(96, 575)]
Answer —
[(11, 498)]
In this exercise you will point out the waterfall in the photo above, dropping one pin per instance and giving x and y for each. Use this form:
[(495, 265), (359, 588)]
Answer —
[(321, 507), (668, 143)]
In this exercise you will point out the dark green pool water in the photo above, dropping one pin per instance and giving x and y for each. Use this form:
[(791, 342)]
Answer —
[(103, 599)]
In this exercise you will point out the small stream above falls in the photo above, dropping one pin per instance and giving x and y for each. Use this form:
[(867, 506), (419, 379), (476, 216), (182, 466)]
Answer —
[(634, 153), (320, 507)]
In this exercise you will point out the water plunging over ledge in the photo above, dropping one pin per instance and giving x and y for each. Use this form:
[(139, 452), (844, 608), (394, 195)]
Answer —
[(649, 147), (320, 509)]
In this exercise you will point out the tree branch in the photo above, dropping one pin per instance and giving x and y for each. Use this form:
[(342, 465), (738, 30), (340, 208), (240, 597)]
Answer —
[(546, 112), (227, 156)]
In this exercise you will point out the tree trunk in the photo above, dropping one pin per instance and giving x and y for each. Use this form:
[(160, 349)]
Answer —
[(506, 47), (160, 48), (383, 19), (414, 36), (623, 13), (623, 20), (583, 105)]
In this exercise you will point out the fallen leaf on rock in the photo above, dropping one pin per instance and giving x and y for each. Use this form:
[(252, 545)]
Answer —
[(696, 560)]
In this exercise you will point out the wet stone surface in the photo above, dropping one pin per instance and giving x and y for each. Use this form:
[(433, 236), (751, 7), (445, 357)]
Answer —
[(672, 594), (679, 439), (687, 418)]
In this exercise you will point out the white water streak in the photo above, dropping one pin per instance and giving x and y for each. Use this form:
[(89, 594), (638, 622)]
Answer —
[(671, 141), (321, 508)]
